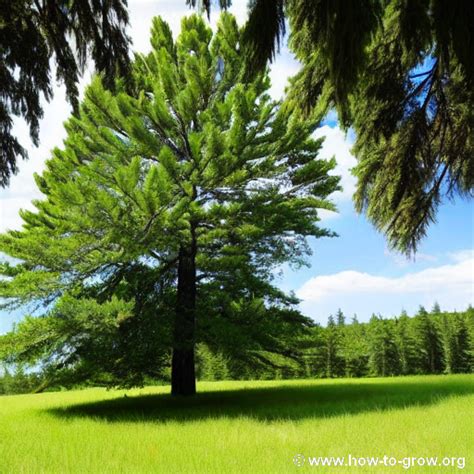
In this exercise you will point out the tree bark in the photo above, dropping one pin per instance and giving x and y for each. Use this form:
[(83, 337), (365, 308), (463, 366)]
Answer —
[(183, 378)]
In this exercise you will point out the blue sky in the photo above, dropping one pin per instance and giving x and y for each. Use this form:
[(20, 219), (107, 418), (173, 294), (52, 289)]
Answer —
[(355, 271)]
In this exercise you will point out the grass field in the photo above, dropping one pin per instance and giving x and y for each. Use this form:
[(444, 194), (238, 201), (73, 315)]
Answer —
[(245, 427)]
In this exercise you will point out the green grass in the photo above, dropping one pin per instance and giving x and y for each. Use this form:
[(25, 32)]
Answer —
[(241, 427)]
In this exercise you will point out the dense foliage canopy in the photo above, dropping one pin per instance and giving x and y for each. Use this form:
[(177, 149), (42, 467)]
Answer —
[(401, 74)]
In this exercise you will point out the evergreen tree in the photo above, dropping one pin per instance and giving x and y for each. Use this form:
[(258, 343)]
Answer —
[(427, 334), (334, 360), (340, 318), (331, 347), (461, 359), (196, 179), (448, 338), (314, 354), (408, 352), (421, 311), (34, 33), (355, 350), (383, 356)]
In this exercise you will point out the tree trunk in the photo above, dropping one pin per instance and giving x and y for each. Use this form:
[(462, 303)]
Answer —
[(183, 379)]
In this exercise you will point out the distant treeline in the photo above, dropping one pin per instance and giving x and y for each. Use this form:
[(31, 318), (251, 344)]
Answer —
[(17, 381), (434, 342)]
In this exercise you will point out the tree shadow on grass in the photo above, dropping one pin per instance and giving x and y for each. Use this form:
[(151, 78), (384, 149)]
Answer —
[(295, 401)]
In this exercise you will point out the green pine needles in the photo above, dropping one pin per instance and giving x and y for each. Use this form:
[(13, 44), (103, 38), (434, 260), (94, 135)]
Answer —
[(195, 185)]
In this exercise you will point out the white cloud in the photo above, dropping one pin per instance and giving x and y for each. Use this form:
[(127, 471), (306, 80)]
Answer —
[(401, 260), (338, 145), (424, 257), (451, 285), (461, 255)]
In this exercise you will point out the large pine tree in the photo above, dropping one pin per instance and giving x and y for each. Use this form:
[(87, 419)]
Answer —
[(196, 175)]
